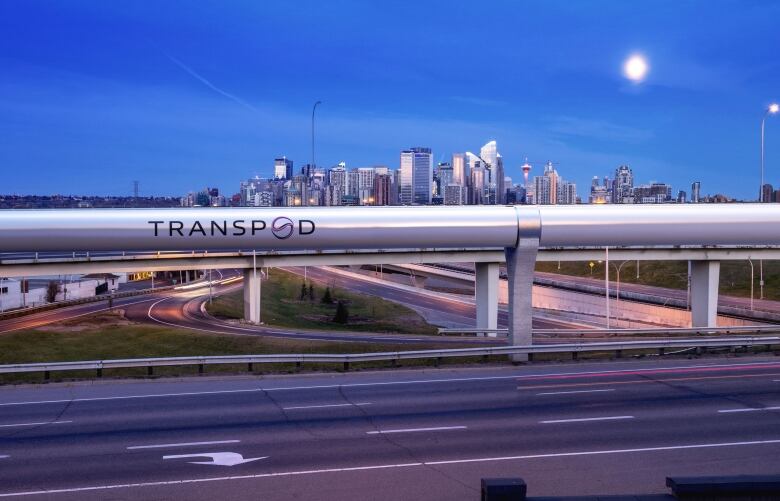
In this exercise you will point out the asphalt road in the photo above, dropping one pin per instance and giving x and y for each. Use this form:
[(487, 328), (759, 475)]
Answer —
[(584, 429)]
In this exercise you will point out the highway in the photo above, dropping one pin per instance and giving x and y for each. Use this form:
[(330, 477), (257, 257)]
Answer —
[(567, 429), (182, 309)]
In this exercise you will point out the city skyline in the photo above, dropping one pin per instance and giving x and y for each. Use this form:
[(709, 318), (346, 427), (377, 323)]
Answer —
[(159, 95)]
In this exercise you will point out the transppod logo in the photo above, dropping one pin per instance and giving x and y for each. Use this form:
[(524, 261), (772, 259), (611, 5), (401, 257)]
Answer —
[(282, 227)]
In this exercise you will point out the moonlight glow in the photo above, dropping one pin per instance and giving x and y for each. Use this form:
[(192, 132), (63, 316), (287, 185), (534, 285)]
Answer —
[(635, 68)]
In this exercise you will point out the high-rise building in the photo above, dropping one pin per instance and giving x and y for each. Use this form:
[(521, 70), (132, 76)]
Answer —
[(695, 192), (453, 194), (623, 185), (416, 176), (283, 168), (459, 169), (383, 189), (600, 193), (681, 197), (542, 194), (444, 177), (767, 192)]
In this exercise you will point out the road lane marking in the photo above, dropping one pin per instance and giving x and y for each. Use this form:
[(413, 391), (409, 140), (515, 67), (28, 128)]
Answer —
[(750, 409), (217, 458), (324, 406), (185, 444), (419, 381), (130, 397), (412, 430), (643, 381), (3, 457), (575, 391), (581, 420), (33, 424), (384, 467)]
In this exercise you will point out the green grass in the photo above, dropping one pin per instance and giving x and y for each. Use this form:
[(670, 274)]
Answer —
[(97, 339), (282, 307), (734, 275)]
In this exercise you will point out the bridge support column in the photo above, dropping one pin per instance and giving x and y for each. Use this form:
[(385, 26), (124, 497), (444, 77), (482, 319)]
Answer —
[(704, 293), (486, 295), (252, 282), (520, 264)]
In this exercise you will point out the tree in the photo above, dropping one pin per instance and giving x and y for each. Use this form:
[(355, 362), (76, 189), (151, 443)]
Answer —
[(326, 298), (303, 292), (342, 314), (311, 292), (51, 291)]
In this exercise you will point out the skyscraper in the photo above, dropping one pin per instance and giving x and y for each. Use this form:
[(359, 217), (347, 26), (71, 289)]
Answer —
[(623, 185), (695, 192), (459, 172), (416, 176), (283, 168)]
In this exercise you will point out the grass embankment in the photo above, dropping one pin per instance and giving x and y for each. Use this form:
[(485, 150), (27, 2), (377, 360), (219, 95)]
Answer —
[(282, 306), (107, 336), (734, 275)]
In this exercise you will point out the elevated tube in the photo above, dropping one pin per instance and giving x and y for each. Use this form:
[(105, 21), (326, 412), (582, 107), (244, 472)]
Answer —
[(344, 228)]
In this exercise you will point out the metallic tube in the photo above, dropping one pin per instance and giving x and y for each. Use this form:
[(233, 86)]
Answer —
[(336, 228), (299, 228), (693, 224)]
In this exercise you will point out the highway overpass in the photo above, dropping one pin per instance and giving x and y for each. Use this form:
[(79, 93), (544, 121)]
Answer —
[(486, 235)]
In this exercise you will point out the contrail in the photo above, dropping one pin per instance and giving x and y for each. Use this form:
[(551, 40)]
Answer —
[(210, 85)]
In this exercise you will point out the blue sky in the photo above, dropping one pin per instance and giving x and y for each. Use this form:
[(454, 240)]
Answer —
[(182, 95)]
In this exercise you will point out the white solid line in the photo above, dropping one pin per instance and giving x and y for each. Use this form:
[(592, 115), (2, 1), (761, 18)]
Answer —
[(324, 406), (3, 457), (33, 424), (379, 383), (580, 420), (384, 466), (750, 409), (571, 392), (128, 397), (614, 451), (410, 430), (186, 444)]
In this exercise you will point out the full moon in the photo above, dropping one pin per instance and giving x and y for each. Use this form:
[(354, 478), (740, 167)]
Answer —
[(635, 68)]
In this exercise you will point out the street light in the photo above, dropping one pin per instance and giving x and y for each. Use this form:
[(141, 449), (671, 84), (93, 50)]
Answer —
[(751, 284), (618, 268), (771, 110)]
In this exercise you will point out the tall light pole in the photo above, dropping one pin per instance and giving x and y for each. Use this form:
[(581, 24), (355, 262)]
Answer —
[(771, 110), (618, 268), (312, 131)]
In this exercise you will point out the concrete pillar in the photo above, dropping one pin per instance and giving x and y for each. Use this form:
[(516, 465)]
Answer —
[(252, 283), (520, 264), (486, 294), (704, 293)]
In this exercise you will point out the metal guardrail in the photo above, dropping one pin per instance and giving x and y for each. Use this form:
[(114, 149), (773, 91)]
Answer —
[(661, 331), (392, 356)]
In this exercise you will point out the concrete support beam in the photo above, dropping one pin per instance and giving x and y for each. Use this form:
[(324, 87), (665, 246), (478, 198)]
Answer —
[(704, 293), (252, 281), (486, 294), (520, 263)]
